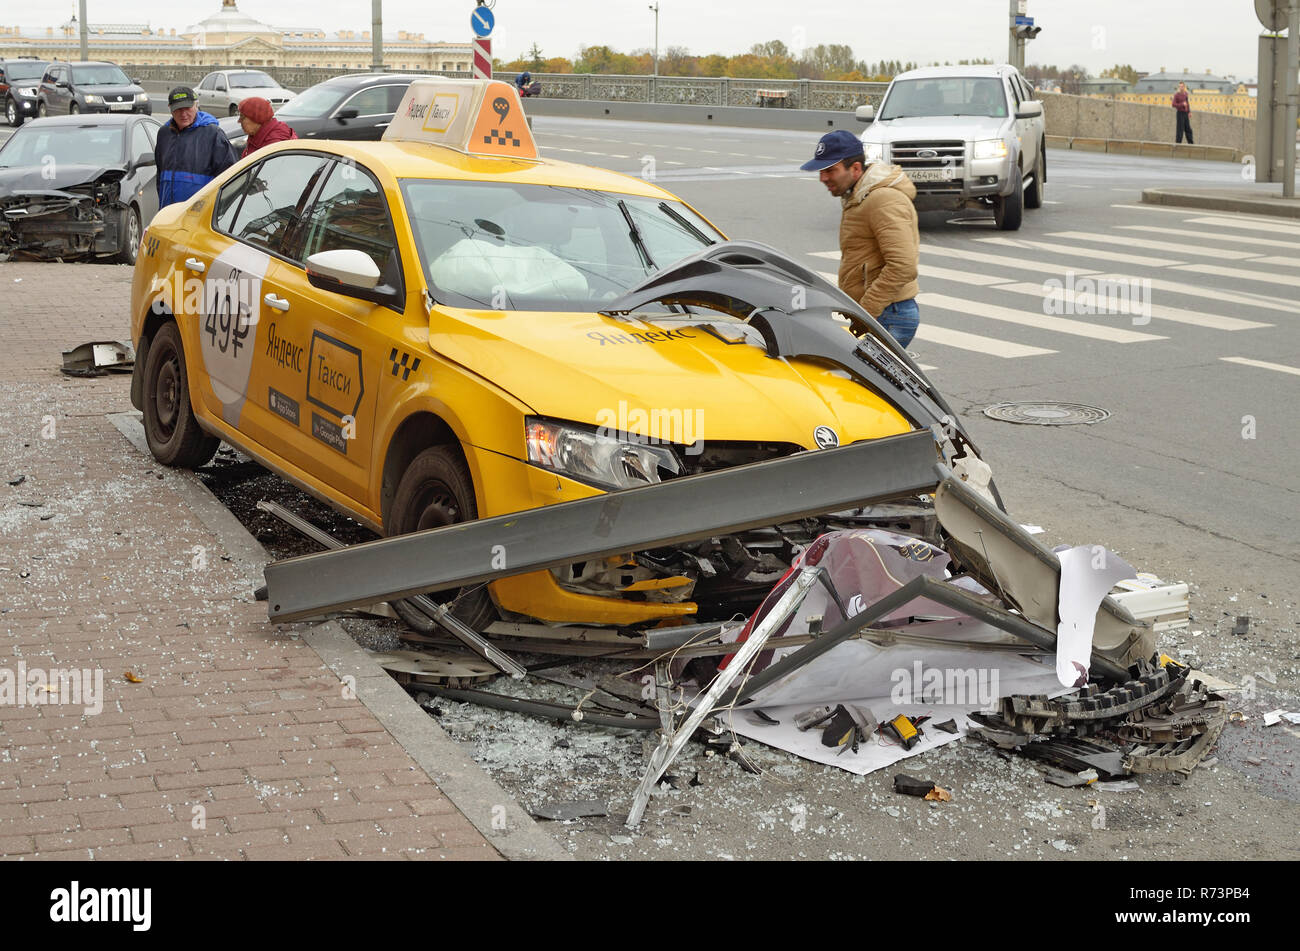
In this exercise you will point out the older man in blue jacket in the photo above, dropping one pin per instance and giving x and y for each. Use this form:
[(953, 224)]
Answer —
[(191, 150)]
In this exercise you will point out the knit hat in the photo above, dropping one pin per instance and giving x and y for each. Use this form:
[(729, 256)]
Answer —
[(256, 108)]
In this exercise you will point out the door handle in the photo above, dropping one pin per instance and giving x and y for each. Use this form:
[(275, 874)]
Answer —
[(276, 303), (194, 264)]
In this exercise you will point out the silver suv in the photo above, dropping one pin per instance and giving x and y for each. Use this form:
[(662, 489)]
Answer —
[(967, 136)]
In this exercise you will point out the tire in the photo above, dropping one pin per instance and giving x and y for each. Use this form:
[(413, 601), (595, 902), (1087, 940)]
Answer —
[(1008, 210), (41, 110), (74, 109), (436, 490), (128, 236), (11, 113), (170, 428), (1034, 193)]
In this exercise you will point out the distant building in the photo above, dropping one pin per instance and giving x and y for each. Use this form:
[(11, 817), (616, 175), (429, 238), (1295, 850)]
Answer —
[(1103, 87), (1207, 92), (231, 38), (1167, 82)]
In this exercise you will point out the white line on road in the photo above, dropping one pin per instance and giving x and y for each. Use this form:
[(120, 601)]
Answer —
[(1247, 224), (1279, 367), (1173, 210), (1131, 242), (1039, 321), (961, 277), (975, 343), (1046, 202), (1245, 274), (982, 258), (1106, 304), (1211, 293), (1284, 261), (1210, 236), (1081, 252)]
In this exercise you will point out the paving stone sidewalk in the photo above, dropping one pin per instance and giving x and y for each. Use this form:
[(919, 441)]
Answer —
[(237, 742)]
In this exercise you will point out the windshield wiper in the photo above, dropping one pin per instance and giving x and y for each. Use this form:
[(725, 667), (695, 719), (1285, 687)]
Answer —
[(635, 234), (682, 220)]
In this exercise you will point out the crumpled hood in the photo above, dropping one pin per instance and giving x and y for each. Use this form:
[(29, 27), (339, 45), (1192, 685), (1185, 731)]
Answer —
[(44, 178), (600, 370)]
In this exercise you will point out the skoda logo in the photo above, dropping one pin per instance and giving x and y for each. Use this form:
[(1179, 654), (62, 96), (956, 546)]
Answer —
[(927, 153), (825, 437)]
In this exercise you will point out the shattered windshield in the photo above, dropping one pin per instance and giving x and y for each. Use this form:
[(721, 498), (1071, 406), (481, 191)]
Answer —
[(540, 247), (946, 96), (54, 145)]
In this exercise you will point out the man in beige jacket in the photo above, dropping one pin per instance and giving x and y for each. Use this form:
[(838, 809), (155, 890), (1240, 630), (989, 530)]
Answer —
[(880, 242)]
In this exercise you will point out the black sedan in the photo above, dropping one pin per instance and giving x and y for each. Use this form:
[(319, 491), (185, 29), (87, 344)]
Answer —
[(78, 187), (345, 107)]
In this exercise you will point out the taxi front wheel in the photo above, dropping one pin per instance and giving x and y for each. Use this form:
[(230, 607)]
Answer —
[(437, 490), (170, 428)]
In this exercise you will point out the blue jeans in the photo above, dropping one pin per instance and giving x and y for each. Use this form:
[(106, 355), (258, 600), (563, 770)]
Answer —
[(901, 319)]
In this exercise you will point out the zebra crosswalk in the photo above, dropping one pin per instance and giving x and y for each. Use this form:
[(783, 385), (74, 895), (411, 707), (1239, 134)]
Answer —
[(1007, 297)]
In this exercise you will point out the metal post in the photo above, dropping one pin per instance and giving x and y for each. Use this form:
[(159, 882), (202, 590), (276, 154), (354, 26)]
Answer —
[(377, 34), (1267, 124), (85, 33), (1292, 99), (655, 7)]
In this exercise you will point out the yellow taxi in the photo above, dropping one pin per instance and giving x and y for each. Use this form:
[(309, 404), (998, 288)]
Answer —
[(434, 328)]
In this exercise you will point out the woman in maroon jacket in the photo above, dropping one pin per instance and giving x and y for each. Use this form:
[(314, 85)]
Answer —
[(1183, 110), (257, 119)]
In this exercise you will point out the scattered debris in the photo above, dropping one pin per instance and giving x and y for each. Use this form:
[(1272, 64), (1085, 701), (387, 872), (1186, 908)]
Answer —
[(939, 794), (1242, 626), (948, 726), (132, 678), (565, 811), (911, 786), (1062, 846), (1274, 717), (18, 481), (1066, 779), (99, 358)]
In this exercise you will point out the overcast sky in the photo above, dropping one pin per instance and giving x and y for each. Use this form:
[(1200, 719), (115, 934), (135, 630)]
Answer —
[(1198, 34)]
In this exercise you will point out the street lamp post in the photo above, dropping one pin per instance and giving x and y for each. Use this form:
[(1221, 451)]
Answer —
[(376, 34), (85, 33), (654, 7)]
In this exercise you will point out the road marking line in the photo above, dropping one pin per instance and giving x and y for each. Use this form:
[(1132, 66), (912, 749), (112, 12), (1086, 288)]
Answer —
[(975, 343), (1106, 305), (1211, 293), (1242, 273), (1081, 252), (1285, 262), (1063, 325), (962, 277), (1210, 236), (1130, 242), (982, 258), (1173, 210), (1249, 225), (1279, 367), (671, 162), (1046, 202), (612, 155)]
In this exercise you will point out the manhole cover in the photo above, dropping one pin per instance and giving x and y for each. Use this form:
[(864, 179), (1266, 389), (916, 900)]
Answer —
[(1047, 414)]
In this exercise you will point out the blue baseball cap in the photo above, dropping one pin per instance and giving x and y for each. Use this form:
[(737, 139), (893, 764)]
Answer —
[(834, 147)]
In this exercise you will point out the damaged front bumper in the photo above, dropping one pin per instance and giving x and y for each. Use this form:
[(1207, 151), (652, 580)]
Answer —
[(49, 224)]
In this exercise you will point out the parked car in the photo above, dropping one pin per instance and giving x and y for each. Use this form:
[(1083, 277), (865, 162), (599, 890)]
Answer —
[(78, 187), (426, 329), (967, 136), (19, 82), (90, 87), (345, 107), (221, 92)]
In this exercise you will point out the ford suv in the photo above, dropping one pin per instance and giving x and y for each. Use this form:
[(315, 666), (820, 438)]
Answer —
[(967, 136)]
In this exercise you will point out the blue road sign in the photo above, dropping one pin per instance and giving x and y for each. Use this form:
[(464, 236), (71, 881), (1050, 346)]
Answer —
[(481, 21), (1024, 21)]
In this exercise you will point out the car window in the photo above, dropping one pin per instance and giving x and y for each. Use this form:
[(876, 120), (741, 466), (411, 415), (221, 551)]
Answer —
[(105, 75), (141, 147), (368, 102), (1015, 94), (207, 82), (252, 80), (274, 201), (223, 215), (55, 145), (395, 94), (221, 84), (350, 212), (945, 96), (310, 103)]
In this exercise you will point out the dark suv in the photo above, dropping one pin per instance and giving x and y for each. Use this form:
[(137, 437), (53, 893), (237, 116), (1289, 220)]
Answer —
[(19, 81), (90, 87)]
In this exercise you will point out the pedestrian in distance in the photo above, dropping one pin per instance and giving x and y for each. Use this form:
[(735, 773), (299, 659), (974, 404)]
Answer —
[(191, 149), (257, 119), (880, 241), (1183, 114)]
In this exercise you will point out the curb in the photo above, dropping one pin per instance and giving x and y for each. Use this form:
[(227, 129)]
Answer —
[(471, 790), (1276, 207)]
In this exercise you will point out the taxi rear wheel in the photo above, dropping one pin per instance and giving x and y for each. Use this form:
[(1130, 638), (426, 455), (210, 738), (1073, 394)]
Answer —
[(436, 490), (170, 428)]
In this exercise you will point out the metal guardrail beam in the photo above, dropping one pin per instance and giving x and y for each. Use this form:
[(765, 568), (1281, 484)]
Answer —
[(670, 513)]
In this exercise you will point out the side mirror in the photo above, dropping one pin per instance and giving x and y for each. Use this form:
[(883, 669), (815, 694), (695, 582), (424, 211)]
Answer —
[(345, 115), (351, 273), (865, 113), (143, 161), (1030, 110), (135, 80)]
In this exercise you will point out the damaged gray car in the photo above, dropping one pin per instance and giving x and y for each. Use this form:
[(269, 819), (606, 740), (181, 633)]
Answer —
[(78, 187)]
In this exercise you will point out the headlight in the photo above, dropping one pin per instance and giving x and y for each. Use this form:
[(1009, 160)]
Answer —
[(27, 91), (874, 151), (991, 148), (598, 459), (142, 97), (93, 99)]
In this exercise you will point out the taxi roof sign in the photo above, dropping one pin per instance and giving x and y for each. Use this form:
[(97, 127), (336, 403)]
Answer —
[(478, 116)]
